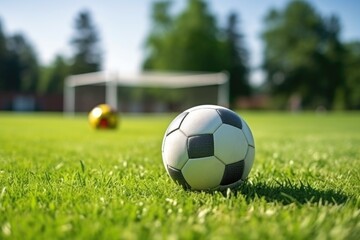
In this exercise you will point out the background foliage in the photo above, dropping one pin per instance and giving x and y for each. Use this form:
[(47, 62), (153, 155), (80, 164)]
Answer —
[(304, 55), (305, 60), (21, 72)]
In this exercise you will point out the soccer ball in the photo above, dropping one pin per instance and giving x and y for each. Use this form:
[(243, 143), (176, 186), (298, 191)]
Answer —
[(103, 117), (208, 148)]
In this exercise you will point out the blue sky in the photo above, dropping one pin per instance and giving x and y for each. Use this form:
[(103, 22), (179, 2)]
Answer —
[(123, 25)]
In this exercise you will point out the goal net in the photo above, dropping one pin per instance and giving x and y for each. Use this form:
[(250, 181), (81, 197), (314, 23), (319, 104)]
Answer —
[(144, 92)]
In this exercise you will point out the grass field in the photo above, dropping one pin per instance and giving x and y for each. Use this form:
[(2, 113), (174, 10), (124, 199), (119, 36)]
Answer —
[(59, 179)]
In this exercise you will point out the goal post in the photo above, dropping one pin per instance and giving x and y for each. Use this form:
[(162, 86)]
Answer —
[(108, 87)]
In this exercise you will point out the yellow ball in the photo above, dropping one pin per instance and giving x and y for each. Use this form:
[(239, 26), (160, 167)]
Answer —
[(103, 117)]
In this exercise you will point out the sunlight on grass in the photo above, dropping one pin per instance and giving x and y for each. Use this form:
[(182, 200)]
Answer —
[(61, 179)]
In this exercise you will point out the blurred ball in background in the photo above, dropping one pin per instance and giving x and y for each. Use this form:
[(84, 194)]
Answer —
[(103, 117)]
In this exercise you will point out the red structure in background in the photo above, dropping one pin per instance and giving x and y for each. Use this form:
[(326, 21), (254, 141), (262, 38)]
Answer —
[(16, 101)]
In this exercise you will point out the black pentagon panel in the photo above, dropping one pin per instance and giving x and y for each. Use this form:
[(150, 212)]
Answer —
[(178, 177), (200, 146), (175, 124), (233, 173), (229, 117)]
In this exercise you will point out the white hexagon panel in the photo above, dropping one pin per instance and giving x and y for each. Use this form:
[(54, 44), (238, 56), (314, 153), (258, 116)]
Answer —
[(175, 152), (230, 144), (203, 173), (201, 121)]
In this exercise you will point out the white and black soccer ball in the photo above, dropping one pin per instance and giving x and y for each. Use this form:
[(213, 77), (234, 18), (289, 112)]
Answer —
[(208, 147)]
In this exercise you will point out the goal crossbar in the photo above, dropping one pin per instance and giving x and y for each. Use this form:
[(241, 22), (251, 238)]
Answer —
[(112, 80)]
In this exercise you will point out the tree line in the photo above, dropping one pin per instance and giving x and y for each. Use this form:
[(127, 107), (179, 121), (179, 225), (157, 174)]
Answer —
[(304, 58), (20, 70)]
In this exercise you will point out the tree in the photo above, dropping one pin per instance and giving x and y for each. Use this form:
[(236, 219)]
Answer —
[(237, 65), (162, 24), (53, 76), (58, 74), (333, 64), (22, 65), (352, 73), (195, 40), (3, 60), (87, 56), (187, 42), (19, 69), (302, 52)]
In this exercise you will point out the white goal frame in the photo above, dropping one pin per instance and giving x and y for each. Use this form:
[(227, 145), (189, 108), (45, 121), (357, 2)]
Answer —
[(113, 80)]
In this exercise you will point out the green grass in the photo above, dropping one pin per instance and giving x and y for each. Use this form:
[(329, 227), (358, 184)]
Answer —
[(59, 179)]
